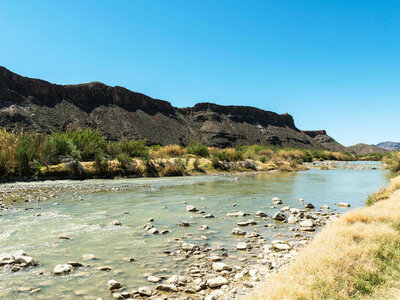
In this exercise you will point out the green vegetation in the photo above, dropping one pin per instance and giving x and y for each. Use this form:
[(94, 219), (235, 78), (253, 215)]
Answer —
[(392, 162), (87, 153)]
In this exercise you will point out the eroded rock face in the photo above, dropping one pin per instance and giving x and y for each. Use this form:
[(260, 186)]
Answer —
[(35, 105)]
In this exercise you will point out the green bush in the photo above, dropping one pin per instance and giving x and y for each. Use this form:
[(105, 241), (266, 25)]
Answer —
[(392, 162), (58, 146), (198, 149), (88, 142), (134, 148), (123, 160), (229, 155), (101, 164), (25, 154)]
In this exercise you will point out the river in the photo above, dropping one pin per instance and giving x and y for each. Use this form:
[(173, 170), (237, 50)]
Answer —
[(86, 217)]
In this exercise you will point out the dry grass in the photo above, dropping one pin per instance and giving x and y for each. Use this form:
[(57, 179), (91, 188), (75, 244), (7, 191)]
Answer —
[(357, 256), (169, 151)]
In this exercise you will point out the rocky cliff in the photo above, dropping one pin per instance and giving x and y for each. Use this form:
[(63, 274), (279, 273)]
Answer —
[(39, 106)]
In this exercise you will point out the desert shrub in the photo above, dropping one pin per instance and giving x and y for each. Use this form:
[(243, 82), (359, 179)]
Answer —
[(198, 149), (319, 155), (56, 147), (113, 149), (101, 163), (123, 160), (134, 148), (251, 151), (392, 162), (196, 166), (264, 159), (25, 154), (88, 142), (170, 151), (229, 155), (307, 157)]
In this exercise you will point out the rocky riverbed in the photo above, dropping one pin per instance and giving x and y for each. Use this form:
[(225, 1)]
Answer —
[(177, 238), (344, 165)]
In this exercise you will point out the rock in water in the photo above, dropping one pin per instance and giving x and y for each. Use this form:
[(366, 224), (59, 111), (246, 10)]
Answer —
[(191, 208), (279, 216), (62, 269), (114, 285)]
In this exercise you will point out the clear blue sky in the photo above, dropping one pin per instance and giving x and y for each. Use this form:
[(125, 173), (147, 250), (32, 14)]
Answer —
[(333, 65)]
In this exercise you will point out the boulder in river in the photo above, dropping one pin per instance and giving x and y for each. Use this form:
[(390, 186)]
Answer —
[(116, 223), (145, 291), (238, 231), (276, 200), (243, 246), (191, 208), (114, 285), (236, 213), (279, 216), (167, 287), (343, 204), (261, 214), (153, 279), (307, 223), (62, 269), (309, 206)]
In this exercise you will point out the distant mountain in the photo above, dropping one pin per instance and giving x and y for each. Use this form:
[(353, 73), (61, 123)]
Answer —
[(34, 105), (393, 146), (361, 149)]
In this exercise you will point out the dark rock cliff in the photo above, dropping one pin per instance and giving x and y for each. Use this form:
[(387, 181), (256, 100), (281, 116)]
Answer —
[(35, 105)]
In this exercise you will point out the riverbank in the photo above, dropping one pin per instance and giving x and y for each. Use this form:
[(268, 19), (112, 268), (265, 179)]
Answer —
[(357, 256)]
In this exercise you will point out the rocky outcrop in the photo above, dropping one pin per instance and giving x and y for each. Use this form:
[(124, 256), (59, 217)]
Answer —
[(392, 146), (327, 142), (35, 105)]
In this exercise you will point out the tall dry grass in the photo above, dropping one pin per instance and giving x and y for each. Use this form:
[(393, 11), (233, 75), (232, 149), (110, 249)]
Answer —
[(355, 257)]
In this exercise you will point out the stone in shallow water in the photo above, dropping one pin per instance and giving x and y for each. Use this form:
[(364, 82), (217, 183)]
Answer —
[(243, 246), (309, 206), (114, 285), (325, 207), (116, 223), (167, 287), (62, 269), (261, 214), (238, 231), (279, 216), (191, 208), (89, 257), (343, 204), (236, 213), (153, 279), (145, 291), (276, 200), (307, 223)]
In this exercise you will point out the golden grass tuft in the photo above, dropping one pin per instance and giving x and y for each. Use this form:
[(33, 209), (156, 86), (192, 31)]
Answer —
[(357, 256), (169, 151)]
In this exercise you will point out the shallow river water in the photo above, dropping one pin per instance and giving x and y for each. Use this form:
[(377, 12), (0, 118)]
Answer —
[(86, 217)]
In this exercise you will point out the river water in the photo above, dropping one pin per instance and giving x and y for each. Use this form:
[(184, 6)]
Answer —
[(86, 217)]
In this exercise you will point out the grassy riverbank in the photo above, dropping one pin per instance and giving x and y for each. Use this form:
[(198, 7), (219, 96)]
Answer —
[(87, 154), (357, 256)]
